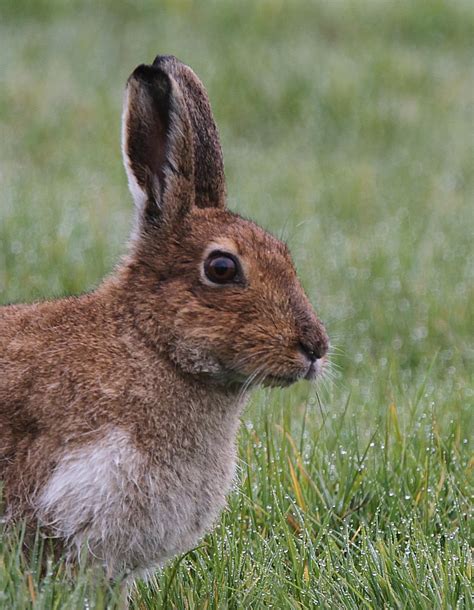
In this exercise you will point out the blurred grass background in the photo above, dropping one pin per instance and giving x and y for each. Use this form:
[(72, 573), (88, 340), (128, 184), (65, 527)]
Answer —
[(347, 129)]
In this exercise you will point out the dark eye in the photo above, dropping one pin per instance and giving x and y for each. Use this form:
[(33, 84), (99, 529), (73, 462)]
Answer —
[(220, 268)]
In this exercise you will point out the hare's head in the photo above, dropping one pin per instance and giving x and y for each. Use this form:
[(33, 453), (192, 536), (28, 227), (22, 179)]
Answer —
[(219, 294)]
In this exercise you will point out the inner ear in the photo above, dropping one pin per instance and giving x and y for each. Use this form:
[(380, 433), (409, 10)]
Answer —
[(147, 129), (157, 145)]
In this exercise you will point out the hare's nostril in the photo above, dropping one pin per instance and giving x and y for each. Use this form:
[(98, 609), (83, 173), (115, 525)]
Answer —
[(314, 350), (309, 351)]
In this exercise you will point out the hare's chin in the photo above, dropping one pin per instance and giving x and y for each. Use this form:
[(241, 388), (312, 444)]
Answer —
[(314, 371)]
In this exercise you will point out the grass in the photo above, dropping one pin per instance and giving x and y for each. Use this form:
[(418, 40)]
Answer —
[(347, 128)]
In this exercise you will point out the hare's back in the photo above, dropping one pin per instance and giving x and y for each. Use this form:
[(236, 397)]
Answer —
[(16, 371), (49, 353)]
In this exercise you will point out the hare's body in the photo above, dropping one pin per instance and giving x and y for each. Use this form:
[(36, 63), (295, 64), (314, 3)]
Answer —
[(119, 409), (88, 426)]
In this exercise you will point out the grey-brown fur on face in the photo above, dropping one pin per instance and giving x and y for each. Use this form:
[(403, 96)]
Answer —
[(119, 409)]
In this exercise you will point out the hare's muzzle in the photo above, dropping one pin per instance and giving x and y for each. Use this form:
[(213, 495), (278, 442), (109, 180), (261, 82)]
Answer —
[(315, 351), (313, 347)]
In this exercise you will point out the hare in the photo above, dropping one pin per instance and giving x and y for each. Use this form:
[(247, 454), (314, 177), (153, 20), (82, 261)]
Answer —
[(119, 409)]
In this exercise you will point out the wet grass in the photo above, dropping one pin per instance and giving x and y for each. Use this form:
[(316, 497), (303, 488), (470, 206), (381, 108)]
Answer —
[(347, 130)]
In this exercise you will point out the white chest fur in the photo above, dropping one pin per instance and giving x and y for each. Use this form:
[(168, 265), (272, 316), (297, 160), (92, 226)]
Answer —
[(131, 513)]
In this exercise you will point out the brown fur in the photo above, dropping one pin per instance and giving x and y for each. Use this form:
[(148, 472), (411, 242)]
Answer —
[(156, 351)]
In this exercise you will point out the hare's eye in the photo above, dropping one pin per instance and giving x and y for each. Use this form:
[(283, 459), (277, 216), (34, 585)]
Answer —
[(220, 268)]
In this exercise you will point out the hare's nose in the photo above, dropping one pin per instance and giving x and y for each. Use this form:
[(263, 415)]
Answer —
[(314, 351)]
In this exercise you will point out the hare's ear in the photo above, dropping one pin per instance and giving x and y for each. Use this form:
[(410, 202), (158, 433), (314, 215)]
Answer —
[(157, 145), (209, 179)]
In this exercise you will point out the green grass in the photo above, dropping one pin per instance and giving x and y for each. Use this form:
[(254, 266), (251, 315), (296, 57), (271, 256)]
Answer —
[(347, 128)]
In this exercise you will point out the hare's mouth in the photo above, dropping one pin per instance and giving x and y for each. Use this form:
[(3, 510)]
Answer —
[(263, 379), (278, 377), (311, 373), (281, 381)]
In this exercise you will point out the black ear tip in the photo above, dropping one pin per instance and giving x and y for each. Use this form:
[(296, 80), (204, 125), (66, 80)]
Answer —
[(162, 61)]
